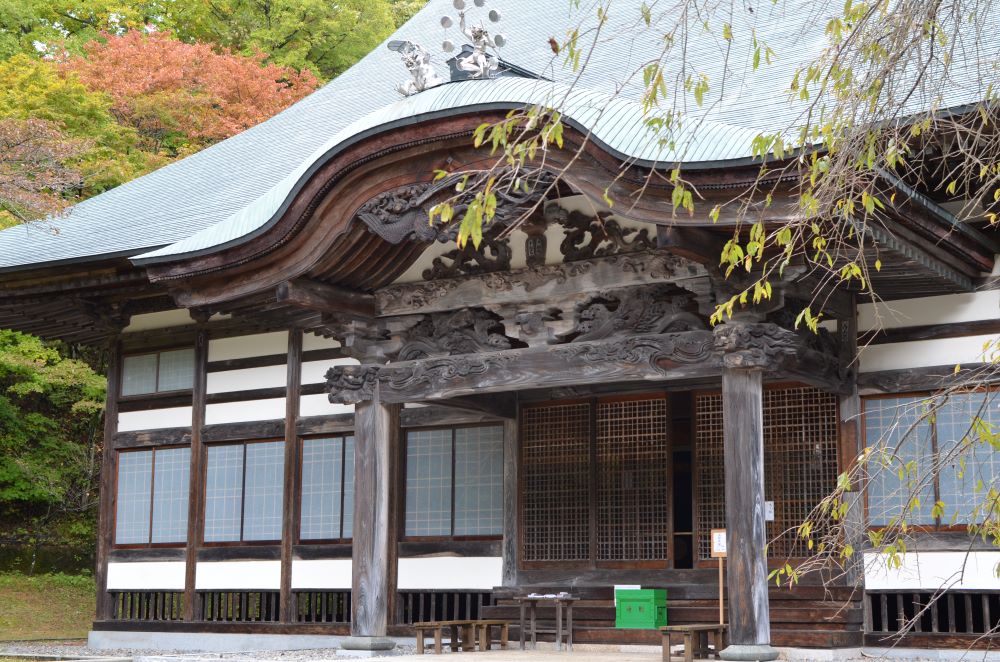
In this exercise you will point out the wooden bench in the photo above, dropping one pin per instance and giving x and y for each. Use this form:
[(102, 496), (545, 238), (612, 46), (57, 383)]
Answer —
[(695, 640), (463, 634)]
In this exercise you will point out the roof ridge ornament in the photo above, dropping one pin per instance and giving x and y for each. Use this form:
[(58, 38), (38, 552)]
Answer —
[(418, 62), (474, 61)]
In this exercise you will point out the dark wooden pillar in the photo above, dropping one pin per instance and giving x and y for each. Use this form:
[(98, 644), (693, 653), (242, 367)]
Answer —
[(293, 391), (511, 452), (373, 588), (746, 353), (107, 501), (196, 495)]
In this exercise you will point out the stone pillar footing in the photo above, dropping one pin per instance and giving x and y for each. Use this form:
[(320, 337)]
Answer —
[(749, 652), (372, 644)]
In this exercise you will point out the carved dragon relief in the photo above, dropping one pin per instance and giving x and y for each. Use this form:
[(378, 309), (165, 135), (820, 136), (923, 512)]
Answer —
[(492, 255), (755, 345), (596, 236), (461, 332), (637, 310)]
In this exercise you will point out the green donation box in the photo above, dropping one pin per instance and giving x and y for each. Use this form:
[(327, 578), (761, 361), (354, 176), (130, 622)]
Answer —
[(643, 609)]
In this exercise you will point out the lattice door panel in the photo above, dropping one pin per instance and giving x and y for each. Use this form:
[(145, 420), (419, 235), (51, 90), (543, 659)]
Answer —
[(800, 463), (633, 464), (555, 497)]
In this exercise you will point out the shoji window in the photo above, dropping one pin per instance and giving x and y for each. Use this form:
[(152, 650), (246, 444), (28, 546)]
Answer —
[(327, 509), (152, 501), (454, 482), (157, 372), (244, 492)]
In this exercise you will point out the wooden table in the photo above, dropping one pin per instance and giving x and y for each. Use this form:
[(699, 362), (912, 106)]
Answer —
[(561, 603), (695, 640)]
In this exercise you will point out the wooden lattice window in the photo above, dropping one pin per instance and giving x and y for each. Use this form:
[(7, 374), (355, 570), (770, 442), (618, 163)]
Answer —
[(595, 478), (555, 456), (800, 462), (633, 461)]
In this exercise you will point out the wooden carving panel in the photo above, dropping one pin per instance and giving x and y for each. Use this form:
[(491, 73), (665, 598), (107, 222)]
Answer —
[(800, 463), (633, 463), (555, 460)]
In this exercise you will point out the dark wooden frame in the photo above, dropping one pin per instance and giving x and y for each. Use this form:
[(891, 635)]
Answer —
[(593, 563), (152, 487), (404, 446), (777, 384)]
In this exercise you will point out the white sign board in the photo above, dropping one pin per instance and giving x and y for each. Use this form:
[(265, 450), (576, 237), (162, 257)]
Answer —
[(718, 543), (768, 511)]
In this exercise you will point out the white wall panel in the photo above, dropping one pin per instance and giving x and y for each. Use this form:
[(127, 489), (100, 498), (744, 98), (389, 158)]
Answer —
[(146, 576), (945, 309), (241, 347), (319, 405), (322, 574), (153, 419), (923, 353), (161, 320), (314, 372), (311, 341), (235, 575), (450, 572), (249, 378), (932, 570), (249, 410)]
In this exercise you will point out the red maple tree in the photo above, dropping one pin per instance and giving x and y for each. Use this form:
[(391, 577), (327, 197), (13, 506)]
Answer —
[(177, 94)]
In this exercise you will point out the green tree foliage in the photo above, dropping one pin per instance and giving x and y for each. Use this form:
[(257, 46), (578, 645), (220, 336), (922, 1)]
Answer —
[(50, 428)]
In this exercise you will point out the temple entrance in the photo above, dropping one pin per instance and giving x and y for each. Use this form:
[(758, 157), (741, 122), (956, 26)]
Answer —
[(600, 486)]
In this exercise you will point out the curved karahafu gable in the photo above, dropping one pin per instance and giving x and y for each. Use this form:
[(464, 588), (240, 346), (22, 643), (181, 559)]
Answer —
[(617, 125)]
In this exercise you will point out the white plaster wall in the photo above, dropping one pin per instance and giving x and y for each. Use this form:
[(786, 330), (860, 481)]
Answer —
[(248, 575), (450, 572), (146, 576), (161, 320), (314, 372), (923, 353), (311, 341), (152, 419), (319, 404), (948, 308), (241, 347), (248, 378), (334, 574), (249, 410), (932, 570)]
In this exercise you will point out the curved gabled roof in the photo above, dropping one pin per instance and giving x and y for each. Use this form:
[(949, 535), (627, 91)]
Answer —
[(617, 125), (224, 185)]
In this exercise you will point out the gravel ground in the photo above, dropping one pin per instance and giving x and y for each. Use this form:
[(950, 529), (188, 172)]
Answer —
[(79, 649)]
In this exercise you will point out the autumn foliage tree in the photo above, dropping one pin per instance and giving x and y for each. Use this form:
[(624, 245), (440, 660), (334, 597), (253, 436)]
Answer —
[(178, 95), (34, 168)]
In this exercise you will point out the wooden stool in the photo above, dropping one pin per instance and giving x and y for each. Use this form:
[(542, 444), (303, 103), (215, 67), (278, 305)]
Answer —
[(695, 640)]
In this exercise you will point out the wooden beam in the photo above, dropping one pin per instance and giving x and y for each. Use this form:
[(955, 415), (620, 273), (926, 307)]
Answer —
[(696, 244), (985, 327), (511, 546), (746, 536), (497, 405), (293, 383), (658, 357), (107, 498), (373, 559), (324, 298), (930, 378), (557, 284), (196, 511)]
